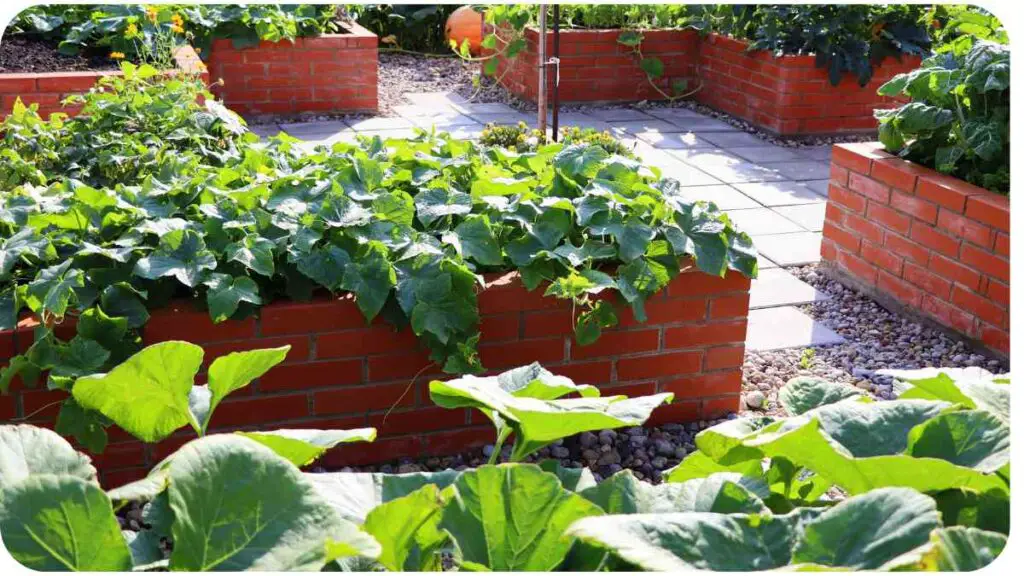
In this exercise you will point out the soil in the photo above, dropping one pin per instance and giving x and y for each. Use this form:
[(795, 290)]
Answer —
[(19, 54)]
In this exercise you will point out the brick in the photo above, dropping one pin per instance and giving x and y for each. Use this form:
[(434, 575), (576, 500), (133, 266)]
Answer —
[(841, 237), (364, 342), (948, 315), (706, 335), (851, 200), (299, 348), (719, 407), (110, 479), (667, 311), (553, 323), (955, 271), (659, 365), (981, 307), (8, 408), (699, 284), (499, 328), (889, 218), (906, 248), (617, 344), (400, 365), (915, 206), (677, 412), (418, 420), (996, 339), (730, 306), (258, 411), (631, 390), (594, 372), (362, 453), (308, 317), (313, 375), (456, 441), (985, 262), (882, 258), (897, 173), (929, 237), (867, 230), (705, 385), (67, 82), (512, 354), (998, 292), (178, 322), (121, 455), (945, 191), (723, 357), (970, 230), (363, 399), (990, 209), (839, 175), (852, 157), (900, 290), (17, 83), (1002, 245), (858, 267), (931, 283)]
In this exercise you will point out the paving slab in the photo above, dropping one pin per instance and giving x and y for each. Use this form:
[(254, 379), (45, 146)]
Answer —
[(385, 134), (484, 108), (264, 130), (810, 217), (670, 114), (617, 114), (819, 153), (786, 327), (702, 124), (795, 249), (782, 193), (800, 170), (735, 139), (769, 153), (504, 118), (381, 123), (763, 263), (762, 221), (819, 186), (444, 121), (777, 287), (674, 141), (740, 172), (705, 157), (435, 98), (321, 128), (725, 197), (672, 167), (647, 125)]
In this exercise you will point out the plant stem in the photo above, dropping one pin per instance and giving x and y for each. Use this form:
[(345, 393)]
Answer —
[(498, 444)]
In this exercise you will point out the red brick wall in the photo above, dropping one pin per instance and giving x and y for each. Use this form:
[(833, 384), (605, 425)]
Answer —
[(789, 94), (595, 67), (48, 89), (329, 73), (936, 244), (341, 373)]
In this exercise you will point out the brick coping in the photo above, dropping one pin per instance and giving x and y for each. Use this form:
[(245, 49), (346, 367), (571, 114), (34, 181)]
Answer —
[(352, 31), (186, 61)]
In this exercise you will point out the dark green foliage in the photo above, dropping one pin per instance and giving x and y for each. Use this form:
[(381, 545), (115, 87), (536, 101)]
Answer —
[(415, 27), (958, 121)]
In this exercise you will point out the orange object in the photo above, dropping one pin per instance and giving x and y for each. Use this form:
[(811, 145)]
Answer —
[(465, 24)]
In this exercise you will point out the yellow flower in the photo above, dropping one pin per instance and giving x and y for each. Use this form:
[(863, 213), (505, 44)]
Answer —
[(117, 55), (151, 14), (131, 31), (176, 19), (177, 29)]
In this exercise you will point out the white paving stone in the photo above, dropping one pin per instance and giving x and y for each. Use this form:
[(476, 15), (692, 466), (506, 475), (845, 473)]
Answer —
[(672, 167), (671, 114), (820, 153), (797, 248), (674, 141), (786, 327), (504, 119), (725, 197), (438, 99), (740, 172), (314, 130), (617, 114), (647, 125), (735, 139), (761, 221), (770, 153), (702, 124), (381, 123), (776, 287), (784, 193), (484, 108), (445, 121), (810, 217), (702, 157), (801, 170), (763, 263), (819, 186), (264, 130)]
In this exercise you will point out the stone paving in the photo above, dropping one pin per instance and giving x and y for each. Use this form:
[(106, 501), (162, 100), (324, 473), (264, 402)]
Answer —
[(776, 194)]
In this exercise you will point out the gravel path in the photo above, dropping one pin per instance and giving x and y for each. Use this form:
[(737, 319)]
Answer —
[(875, 339), (399, 72)]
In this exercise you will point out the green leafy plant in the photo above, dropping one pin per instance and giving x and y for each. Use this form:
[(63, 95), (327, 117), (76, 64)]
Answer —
[(653, 67), (530, 403), (149, 197), (958, 119), (947, 435), (416, 28), (521, 138)]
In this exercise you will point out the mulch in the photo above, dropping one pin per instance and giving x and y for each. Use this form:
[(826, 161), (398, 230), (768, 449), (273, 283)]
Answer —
[(19, 54)]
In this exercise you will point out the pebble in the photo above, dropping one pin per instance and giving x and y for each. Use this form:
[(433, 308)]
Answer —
[(754, 399)]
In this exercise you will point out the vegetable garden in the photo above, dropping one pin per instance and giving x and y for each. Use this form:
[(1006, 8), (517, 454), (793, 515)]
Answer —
[(629, 307)]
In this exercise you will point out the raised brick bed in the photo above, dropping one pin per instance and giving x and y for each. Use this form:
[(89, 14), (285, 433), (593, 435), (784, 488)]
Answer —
[(48, 89), (921, 241), (329, 73), (596, 68), (342, 373), (788, 94)]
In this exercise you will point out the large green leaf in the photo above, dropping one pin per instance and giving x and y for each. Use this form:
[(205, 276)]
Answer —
[(234, 371), (225, 293), (354, 494), (182, 254), (147, 395), (512, 517), (301, 447), (477, 241), (699, 465), (972, 387), (29, 451), (370, 277), (53, 288), (970, 438), (239, 506), (61, 523), (804, 393), (538, 422), (867, 531), (724, 493), (952, 549), (408, 530)]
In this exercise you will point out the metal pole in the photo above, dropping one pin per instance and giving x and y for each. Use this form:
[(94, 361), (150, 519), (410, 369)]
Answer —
[(554, 99), (542, 61)]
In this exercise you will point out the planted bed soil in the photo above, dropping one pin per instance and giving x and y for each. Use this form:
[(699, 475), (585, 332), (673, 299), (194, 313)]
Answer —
[(21, 54)]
